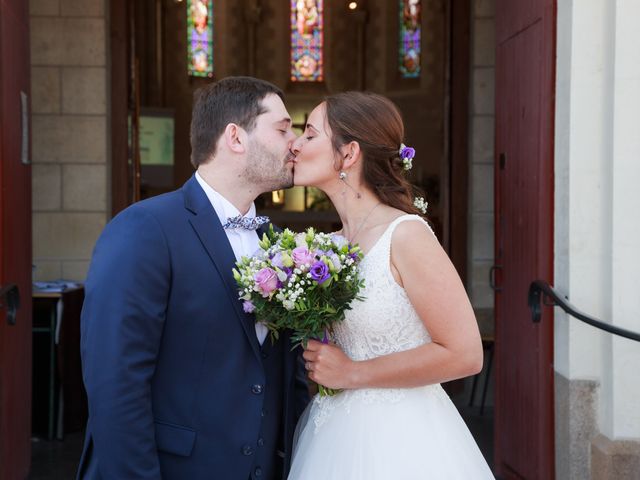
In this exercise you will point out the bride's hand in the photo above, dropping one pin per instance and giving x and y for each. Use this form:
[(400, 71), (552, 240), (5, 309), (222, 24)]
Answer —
[(328, 365)]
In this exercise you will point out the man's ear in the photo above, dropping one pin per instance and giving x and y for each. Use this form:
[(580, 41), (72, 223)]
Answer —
[(235, 138), (350, 154)]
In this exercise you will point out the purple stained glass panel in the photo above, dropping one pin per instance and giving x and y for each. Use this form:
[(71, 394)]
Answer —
[(307, 36), (200, 37), (410, 36)]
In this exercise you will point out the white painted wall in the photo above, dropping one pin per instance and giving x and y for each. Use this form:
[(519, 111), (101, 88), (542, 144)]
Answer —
[(597, 209)]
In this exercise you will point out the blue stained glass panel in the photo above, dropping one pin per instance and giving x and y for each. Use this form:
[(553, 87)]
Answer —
[(410, 36), (200, 37), (307, 37)]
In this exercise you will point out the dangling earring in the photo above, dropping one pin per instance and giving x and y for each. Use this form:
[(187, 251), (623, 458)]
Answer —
[(343, 176)]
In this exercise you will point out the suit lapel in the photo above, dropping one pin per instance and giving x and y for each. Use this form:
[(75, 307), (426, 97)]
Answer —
[(209, 230)]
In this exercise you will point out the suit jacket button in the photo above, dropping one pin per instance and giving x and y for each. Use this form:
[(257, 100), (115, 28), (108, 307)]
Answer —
[(247, 450), (261, 442), (257, 389), (257, 472)]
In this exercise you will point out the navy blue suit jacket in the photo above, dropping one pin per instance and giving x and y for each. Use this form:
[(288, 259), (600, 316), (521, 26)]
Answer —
[(170, 360)]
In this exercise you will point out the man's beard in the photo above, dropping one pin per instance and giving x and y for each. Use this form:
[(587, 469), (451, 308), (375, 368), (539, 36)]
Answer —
[(266, 170)]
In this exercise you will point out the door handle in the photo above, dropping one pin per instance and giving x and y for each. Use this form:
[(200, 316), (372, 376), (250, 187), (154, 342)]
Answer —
[(10, 296), (492, 278)]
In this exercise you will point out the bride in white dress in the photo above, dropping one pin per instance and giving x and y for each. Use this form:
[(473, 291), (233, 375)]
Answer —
[(414, 329)]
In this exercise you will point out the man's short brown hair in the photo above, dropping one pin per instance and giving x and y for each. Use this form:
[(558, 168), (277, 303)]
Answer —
[(231, 100)]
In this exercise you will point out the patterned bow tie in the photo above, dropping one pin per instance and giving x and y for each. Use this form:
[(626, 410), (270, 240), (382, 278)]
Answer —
[(246, 223)]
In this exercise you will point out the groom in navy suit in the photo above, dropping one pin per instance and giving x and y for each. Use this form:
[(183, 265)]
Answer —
[(182, 383)]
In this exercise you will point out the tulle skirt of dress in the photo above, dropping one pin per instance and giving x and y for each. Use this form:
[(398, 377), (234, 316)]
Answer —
[(386, 434)]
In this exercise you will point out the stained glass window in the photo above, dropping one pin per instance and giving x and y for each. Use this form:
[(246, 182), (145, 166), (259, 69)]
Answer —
[(307, 32), (410, 29), (200, 37)]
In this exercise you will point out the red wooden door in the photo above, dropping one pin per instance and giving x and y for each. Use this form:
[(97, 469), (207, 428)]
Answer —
[(524, 429), (15, 240)]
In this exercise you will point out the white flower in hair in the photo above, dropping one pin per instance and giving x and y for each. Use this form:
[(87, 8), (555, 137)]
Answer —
[(421, 204)]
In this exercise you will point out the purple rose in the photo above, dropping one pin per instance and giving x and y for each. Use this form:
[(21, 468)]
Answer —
[(266, 280), (407, 152), (302, 256), (248, 306), (319, 272)]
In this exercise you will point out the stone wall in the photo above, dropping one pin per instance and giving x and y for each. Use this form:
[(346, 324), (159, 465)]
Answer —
[(481, 122), (69, 124)]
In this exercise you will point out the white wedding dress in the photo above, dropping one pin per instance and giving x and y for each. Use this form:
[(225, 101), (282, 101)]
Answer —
[(384, 433)]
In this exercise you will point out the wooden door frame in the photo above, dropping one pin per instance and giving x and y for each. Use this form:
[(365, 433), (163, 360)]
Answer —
[(544, 256), (120, 72), (457, 109), (15, 239)]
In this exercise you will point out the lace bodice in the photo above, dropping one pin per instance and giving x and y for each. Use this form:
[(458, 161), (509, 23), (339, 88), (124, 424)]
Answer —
[(384, 322)]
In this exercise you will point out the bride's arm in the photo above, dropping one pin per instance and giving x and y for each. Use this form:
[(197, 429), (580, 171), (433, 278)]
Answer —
[(438, 296)]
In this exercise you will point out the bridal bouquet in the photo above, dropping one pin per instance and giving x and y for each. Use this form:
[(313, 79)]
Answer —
[(300, 281)]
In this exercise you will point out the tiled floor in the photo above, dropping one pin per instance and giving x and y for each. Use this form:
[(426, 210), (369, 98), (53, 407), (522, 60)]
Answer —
[(56, 459)]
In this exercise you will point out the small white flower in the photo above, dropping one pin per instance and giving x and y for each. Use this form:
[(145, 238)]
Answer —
[(421, 204)]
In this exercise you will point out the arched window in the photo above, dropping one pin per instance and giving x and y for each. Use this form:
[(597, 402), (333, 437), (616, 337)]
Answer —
[(410, 30), (200, 37), (307, 37)]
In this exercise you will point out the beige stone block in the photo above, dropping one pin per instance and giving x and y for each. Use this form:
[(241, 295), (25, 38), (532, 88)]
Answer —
[(483, 139), (483, 90), (481, 294), (69, 139), (82, 8), (614, 459), (68, 41), (482, 237), (45, 90), (46, 270), (84, 188), (46, 191), (482, 188), (66, 235), (484, 42), (484, 8), (44, 7), (75, 270), (84, 90), (576, 414)]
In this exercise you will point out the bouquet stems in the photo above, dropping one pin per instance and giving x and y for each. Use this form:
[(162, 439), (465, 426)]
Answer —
[(322, 390)]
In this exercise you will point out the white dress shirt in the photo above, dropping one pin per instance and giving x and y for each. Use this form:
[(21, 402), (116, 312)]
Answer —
[(243, 242)]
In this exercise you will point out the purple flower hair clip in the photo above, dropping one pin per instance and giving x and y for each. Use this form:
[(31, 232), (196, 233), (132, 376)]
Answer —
[(407, 154)]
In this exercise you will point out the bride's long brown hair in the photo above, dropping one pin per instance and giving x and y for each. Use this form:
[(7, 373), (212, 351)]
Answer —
[(376, 124)]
